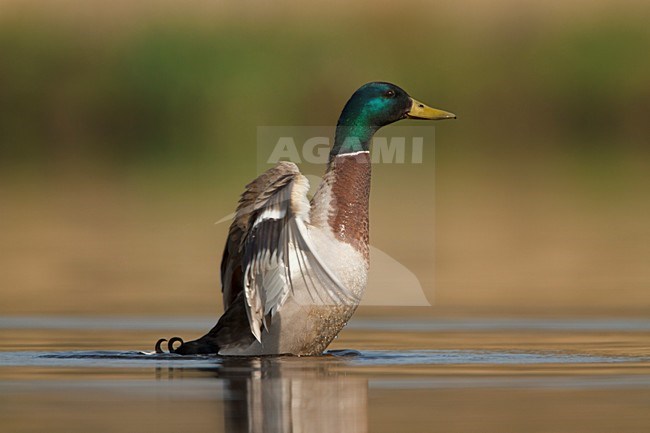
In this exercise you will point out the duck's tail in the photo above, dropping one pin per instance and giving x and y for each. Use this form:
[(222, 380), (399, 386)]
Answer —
[(195, 347), (232, 330)]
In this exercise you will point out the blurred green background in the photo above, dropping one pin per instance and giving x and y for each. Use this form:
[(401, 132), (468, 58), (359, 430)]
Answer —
[(127, 130)]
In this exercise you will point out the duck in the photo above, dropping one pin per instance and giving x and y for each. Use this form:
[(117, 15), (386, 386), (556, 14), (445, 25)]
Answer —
[(294, 270)]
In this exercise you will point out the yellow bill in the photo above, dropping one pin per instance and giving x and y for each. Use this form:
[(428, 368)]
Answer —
[(421, 111)]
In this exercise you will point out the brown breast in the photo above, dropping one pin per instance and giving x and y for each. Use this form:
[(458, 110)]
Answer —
[(350, 196)]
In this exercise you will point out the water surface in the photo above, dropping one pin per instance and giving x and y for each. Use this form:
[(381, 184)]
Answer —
[(64, 374)]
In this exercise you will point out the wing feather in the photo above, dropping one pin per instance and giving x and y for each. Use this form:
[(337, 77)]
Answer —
[(270, 254)]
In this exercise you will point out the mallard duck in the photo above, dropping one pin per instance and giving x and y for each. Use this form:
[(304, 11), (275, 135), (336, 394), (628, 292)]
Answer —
[(294, 270)]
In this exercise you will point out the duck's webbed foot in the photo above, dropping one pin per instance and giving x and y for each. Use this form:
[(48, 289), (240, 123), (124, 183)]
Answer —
[(202, 346)]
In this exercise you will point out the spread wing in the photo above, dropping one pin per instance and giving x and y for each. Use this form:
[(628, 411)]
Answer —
[(270, 254), (231, 263)]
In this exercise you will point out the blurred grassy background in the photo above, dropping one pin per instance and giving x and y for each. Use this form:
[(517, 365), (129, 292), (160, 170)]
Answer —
[(127, 130)]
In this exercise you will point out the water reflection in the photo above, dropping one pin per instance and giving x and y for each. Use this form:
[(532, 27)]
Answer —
[(286, 394)]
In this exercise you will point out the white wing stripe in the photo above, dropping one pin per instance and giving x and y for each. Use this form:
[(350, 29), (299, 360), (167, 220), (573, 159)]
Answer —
[(270, 214)]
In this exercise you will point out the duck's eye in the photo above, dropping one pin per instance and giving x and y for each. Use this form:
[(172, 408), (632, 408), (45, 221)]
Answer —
[(390, 94)]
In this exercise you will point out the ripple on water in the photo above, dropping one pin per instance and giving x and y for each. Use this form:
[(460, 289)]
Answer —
[(117, 359)]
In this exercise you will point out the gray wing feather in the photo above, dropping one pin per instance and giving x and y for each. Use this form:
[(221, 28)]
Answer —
[(277, 253)]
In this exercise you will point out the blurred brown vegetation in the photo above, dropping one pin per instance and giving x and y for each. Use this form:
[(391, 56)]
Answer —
[(127, 130)]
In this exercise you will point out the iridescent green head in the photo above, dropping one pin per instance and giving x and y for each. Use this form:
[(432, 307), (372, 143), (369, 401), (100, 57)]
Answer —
[(372, 106)]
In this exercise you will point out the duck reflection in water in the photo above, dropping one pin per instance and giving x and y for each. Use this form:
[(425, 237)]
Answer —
[(288, 394)]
